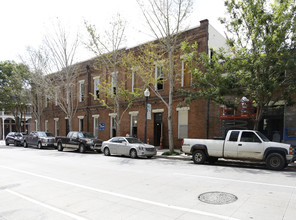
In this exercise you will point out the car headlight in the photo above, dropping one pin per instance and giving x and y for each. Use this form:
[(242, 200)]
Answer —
[(89, 141), (141, 148), (44, 140)]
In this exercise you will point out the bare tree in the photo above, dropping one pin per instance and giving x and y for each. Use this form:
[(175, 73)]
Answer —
[(109, 50), (165, 19), (62, 51), (37, 60)]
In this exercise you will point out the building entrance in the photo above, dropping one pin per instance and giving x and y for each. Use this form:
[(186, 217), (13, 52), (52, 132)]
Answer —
[(157, 128)]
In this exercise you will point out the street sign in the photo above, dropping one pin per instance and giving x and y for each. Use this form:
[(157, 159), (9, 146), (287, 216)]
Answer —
[(101, 126)]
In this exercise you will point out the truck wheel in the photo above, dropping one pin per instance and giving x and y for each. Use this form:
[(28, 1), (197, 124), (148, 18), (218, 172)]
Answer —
[(81, 148), (39, 145), (199, 157), (275, 161), (60, 146)]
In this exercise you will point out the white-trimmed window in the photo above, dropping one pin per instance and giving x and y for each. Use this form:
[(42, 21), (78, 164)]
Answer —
[(56, 126), (186, 75), (80, 121), (183, 122), (134, 123), (113, 83), (133, 80), (96, 125), (96, 87), (159, 77), (46, 125), (112, 125), (81, 90), (36, 124), (56, 98)]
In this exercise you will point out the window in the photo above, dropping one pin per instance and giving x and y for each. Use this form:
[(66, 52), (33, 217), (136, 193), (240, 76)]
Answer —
[(80, 118), (81, 91), (97, 87), (46, 126), (96, 125), (56, 127), (186, 76), (133, 80), (112, 124), (182, 122), (159, 76), (113, 83), (234, 136), (249, 137)]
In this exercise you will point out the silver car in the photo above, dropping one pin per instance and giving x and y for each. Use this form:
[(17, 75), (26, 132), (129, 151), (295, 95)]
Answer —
[(128, 146)]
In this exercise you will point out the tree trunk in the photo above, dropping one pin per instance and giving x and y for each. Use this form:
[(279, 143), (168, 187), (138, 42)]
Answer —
[(258, 117)]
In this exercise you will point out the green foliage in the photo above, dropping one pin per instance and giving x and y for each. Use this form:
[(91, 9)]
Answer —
[(260, 64)]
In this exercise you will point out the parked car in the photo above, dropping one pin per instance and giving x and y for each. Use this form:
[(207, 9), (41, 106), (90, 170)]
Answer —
[(241, 145), (39, 139), (128, 146), (81, 141), (15, 138)]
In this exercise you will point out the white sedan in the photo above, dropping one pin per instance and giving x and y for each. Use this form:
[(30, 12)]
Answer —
[(128, 146)]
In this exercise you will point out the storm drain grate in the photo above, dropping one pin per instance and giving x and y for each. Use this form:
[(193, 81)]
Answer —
[(217, 198)]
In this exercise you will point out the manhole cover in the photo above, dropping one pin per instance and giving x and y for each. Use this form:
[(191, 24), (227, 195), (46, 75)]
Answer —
[(217, 198)]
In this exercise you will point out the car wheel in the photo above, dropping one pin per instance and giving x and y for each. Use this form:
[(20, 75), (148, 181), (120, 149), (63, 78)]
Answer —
[(275, 161), (133, 153), (81, 148), (106, 151), (25, 144), (60, 146), (39, 145), (199, 157), (6, 143)]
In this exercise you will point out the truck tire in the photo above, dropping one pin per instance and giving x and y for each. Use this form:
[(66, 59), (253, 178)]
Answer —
[(199, 157), (81, 148), (60, 146), (275, 161), (39, 145)]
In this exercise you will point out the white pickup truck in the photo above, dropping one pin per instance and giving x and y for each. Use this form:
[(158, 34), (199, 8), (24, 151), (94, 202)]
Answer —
[(241, 145)]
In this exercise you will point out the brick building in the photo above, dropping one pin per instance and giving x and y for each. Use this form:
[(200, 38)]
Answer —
[(200, 119)]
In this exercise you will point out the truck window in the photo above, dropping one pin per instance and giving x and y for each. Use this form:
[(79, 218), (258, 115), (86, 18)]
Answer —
[(234, 136), (249, 137)]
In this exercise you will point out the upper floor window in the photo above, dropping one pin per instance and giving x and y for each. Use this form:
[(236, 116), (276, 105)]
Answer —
[(96, 87), (81, 91), (159, 76), (186, 76)]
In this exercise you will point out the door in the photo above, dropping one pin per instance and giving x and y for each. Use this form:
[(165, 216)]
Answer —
[(250, 146), (157, 128), (231, 145), (122, 147)]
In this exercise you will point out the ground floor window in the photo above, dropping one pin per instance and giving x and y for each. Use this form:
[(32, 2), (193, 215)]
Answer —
[(182, 122), (134, 125), (56, 127), (96, 126), (80, 123), (46, 125), (112, 125)]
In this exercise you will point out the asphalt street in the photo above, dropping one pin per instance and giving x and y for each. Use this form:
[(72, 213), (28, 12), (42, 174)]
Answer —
[(48, 184)]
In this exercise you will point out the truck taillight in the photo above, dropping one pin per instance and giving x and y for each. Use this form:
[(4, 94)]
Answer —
[(291, 150)]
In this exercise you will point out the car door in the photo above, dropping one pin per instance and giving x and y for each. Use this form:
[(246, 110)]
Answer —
[(122, 146), (250, 146), (73, 141), (231, 145), (113, 145)]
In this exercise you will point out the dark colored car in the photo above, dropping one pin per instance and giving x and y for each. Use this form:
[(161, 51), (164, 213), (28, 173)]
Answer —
[(39, 139), (15, 138), (81, 141)]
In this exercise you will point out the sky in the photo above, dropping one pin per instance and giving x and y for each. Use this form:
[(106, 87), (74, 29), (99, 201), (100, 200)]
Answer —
[(24, 23)]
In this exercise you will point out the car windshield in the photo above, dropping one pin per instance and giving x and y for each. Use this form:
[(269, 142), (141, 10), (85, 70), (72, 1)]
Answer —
[(265, 139), (42, 134), (134, 141), (49, 134), (85, 135), (18, 134)]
